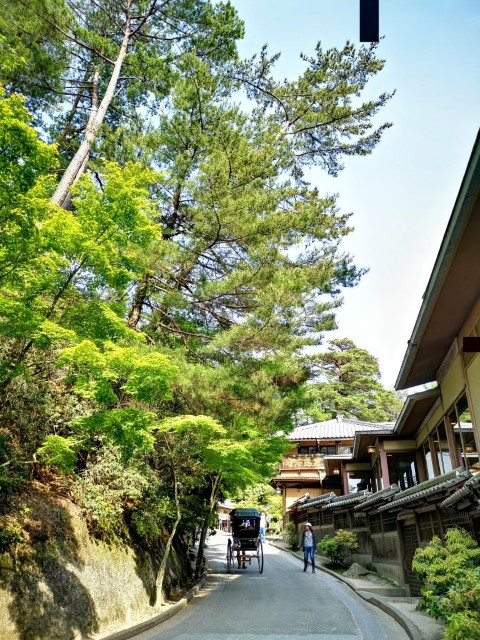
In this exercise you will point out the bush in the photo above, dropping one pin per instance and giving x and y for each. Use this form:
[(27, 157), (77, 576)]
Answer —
[(10, 534), (451, 576), (292, 535), (339, 549), (107, 489)]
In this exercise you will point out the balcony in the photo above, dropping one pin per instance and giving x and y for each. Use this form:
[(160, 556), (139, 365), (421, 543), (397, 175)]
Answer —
[(302, 461)]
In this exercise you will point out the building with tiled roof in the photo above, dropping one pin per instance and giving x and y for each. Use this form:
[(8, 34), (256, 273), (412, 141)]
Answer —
[(398, 485), (320, 460)]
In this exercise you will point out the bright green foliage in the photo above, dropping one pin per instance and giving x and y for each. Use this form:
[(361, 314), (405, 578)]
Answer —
[(340, 547), (114, 374), (348, 383), (153, 325), (59, 452), (24, 163), (451, 576), (128, 429)]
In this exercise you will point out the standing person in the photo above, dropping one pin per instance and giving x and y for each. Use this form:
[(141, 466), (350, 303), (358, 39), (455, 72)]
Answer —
[(263, 526), (309, 544)]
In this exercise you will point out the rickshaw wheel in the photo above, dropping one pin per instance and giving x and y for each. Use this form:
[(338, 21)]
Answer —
[(260, 555), (229, 556)]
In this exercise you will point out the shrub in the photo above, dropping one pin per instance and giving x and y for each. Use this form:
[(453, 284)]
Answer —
[(10, 534), (451, 576), (292, 535), (107, 489), (339, 549), (59, 452)]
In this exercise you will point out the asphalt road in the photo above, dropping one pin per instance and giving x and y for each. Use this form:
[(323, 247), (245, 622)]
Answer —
[(282, 603)]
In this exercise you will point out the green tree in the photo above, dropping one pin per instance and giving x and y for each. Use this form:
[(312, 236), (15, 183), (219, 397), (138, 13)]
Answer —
[(199, 446), (107, 59), (450, 572), (347, 382), (177, 260)]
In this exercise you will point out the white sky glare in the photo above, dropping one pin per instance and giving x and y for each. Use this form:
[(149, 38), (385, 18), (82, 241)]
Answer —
[(401, 195)]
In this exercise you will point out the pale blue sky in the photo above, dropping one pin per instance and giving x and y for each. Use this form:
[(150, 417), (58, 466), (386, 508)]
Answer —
[(403, 194)]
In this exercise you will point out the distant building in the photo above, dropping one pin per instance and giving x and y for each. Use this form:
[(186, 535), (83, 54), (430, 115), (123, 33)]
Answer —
[(321, 460), (420, 476)]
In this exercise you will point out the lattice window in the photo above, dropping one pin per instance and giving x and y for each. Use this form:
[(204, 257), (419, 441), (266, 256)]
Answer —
[(453, 518), (376, 523), (360, 520), (410, 543), (341, 520), (389, 522), (314, 518), (306, 449), (326, 517), (428, 525)]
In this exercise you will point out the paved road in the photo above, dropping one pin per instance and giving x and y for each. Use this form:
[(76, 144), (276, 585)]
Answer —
[(283, 603)]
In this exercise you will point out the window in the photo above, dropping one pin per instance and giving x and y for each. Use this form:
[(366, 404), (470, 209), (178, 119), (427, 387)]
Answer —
[(326, 517), (442, 450), (389, 522), (342, 520), (466, 447), (307, 449), (344, 450), (402, 469), (452, 442), (428, 459), (359, 520), (328, 450), (376, 523)]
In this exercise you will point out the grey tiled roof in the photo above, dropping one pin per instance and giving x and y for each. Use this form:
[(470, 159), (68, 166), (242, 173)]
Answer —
[(349, 499), (298, 502), (427, 488), (336, 429), (378, 496), (315, 502), (470, 488)]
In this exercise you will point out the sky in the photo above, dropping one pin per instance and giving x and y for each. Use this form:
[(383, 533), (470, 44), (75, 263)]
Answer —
[(401, 195)]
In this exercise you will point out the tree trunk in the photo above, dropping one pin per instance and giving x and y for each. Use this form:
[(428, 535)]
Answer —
[(203, 535), (158, 594), (97, 115), (138, 302)]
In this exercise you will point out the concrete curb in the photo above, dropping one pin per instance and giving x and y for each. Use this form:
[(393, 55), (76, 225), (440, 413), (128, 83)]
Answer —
[(411, 630), (409, 627), (125, 634)]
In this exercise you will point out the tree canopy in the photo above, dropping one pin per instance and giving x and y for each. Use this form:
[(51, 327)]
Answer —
[(163, 258), (347, 382)]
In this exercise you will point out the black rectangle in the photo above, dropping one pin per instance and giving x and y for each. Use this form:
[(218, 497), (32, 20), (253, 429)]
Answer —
[(369, 20), (471, 344)]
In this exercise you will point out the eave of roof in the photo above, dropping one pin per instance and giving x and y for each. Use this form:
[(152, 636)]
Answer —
[(379, 496), (453, 285), (315, 502), (296, 480), (337, 429), (351, 498), (415, 410), (428, 488), (365, 439), (470, 489)]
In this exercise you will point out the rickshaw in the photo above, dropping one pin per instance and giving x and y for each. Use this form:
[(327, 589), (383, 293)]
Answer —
[(245, 526)]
